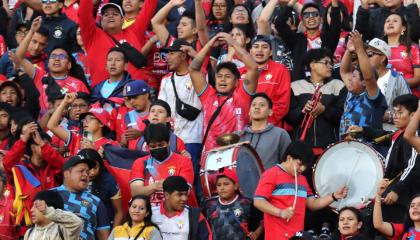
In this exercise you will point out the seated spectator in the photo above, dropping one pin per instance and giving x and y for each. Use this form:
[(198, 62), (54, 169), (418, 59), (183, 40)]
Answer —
[(149, 172), (282, 219), (365, 104), (370, 21), (103, 185), (44, 161), (229, 90), (326, 110), (269, 141), (391, 83), (392, 230), (73, 192), (411, 130), (51, 220), (96, 127), (405, 55), (230, 215), (139, 222), (274, 78), (174, 218), (137, 93), (109, 92), (350, 224)]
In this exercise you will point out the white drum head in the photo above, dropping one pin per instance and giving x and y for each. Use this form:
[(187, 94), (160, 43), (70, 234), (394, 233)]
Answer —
[(352, 164)]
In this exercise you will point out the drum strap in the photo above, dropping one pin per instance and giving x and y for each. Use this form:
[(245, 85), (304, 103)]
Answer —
[(213, 117)]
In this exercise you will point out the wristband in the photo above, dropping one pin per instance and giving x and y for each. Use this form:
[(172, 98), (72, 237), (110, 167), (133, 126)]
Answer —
[(281, 215), (333, 197)]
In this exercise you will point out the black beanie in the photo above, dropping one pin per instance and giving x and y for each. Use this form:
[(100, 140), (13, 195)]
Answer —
[(51, 198), (163, 104)]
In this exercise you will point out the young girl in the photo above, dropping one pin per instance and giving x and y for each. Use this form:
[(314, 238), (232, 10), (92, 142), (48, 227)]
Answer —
[(230, 214), (409, 230), (242, 35)]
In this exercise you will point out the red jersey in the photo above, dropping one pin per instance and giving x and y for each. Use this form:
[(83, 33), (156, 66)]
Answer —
[(7, 227), (274, 81), (399, 234), (75, 139), (404, 62), (134, 119), (68, 85), (3, 143), (278, 188), (94, 36), (72, 11), (3, 46), (157, 66), (117, 120), (233, 115), (149, 170)]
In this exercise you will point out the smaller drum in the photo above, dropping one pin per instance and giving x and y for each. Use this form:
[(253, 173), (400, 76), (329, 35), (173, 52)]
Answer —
[(352, 164), (241, 157)]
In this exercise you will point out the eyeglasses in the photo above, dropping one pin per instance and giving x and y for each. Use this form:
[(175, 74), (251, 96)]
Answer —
[(21, 33), (396, 114), (222, 6), (326, 63), (371, 54), (240, 11), (310, 14), (49, 1), (80, 106), (88, 119), (60, 56)]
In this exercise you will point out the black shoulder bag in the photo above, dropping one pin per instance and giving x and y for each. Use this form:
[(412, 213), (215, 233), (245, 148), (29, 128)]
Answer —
[(133, 55), (185, 110), (213, 117)]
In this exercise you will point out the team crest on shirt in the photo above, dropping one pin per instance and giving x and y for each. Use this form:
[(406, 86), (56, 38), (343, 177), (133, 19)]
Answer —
[(76, 6), (64, 90), (58, 32), (268, 77), (237, 212), (238, 111), (171, 171), (403, 54), (180, 224), (189, 85), (85, 203)]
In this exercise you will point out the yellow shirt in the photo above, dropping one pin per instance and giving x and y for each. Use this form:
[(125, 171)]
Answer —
[(128, 22), (125, 232)]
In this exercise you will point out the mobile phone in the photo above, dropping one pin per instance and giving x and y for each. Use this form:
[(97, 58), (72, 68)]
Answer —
[(88, 135)]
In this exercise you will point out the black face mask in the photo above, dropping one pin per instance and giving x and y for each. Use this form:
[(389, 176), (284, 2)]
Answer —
[(160, 154)]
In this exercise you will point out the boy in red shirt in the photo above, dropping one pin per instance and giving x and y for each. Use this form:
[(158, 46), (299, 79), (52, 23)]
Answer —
[(284, 209)]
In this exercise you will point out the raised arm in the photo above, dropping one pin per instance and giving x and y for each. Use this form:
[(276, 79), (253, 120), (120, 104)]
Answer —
[(158, 21), (263, 21), (200, 20), (378, 222), (410, 131), (34, 4), (346, 68), (54, 122), (320, 203)]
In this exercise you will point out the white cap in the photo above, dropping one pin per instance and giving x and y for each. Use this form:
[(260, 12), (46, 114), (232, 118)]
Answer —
[(381, 46), (112, 5)]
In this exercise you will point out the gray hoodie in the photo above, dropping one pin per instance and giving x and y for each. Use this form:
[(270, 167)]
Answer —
[(270, 143)]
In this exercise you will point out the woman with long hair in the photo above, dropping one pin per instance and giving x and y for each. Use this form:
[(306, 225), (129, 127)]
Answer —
[(410, 229), (405, 55), (139, 224), (350, 224), (239, 14), (218, 15)]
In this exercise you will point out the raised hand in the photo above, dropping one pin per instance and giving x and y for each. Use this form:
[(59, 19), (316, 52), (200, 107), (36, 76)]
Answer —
[(357, 40), (37, 139), (36, 24), (341, 193), (27, 131), (69, 98), (177, 3), (382, 186)]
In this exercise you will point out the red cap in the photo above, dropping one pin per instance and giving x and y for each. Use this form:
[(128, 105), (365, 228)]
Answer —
[(229, 173), (101, 114)]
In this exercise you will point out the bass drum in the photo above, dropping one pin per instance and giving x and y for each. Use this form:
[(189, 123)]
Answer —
[(241, 157), (352, 164)]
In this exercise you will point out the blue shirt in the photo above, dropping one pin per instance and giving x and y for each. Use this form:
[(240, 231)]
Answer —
[(362, 110), (108, 88), (88, 207)]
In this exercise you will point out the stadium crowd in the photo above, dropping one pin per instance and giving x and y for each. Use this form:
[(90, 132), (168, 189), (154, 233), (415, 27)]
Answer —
[(205, 119)]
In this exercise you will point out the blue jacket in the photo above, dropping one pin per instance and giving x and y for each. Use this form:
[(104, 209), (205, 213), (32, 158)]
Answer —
[(118, 91), (62, 32)]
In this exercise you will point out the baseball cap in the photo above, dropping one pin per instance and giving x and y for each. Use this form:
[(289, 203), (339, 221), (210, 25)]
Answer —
[(381, 46), (136, 87), (101, 114), (229, 173), (111, 5), (303, 235), (77, 159), (261, 38), (176, 45)]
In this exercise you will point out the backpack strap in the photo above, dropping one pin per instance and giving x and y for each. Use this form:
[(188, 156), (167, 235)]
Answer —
[(60, 232), (193, 217)]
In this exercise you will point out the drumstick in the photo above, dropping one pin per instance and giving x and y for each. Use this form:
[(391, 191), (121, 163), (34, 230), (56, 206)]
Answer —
[(296, 186), (350, 177)]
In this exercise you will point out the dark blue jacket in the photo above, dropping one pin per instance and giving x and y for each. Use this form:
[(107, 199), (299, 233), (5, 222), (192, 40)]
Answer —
[(118, 91), (62, 32)]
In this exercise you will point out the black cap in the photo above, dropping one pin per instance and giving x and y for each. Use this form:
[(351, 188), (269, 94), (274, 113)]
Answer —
[(51, 198), (261, 38), (176, 45), (90, 154), (165, 105), (73, 161)]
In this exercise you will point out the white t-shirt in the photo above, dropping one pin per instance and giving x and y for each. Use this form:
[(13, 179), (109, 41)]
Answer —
[(383, 82), (188, 131), (174, 228)]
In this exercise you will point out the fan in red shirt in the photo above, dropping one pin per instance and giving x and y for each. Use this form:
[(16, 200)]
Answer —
[(232, 96), (283, 207), (149, 172), (97, 41), (7, 227), (410, 230), (96, 126)]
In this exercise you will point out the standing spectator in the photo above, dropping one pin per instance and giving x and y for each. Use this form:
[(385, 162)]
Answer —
[(79, 201), (70, 8), (230, 215), (391, 83), (149, 172), (218, 15), (139, 222), (269, 141), (405, 56), (7, 226), (131, 11), (176, 220), (229, 90), (365, 104), (80, 55), (239, 14), (51, 220), (5, 110), (411, 131), (241, 34), (274, 79), (111, 26), (275, 194), (188, 128)]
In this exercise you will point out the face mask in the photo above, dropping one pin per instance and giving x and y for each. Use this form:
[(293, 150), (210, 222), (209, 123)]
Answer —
[(160, 154)]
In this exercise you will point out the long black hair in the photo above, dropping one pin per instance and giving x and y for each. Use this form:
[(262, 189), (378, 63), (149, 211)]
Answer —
[(229, 6), (408, 223), (345, 23), (148, 218), (228, 26), (405, 37)]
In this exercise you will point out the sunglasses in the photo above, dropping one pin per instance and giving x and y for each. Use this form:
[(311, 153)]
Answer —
[(49, 1), (310, 14), (371, 54), (60, 56)]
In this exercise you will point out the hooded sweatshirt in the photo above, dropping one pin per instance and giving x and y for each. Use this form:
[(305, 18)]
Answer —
[(270, 143)]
